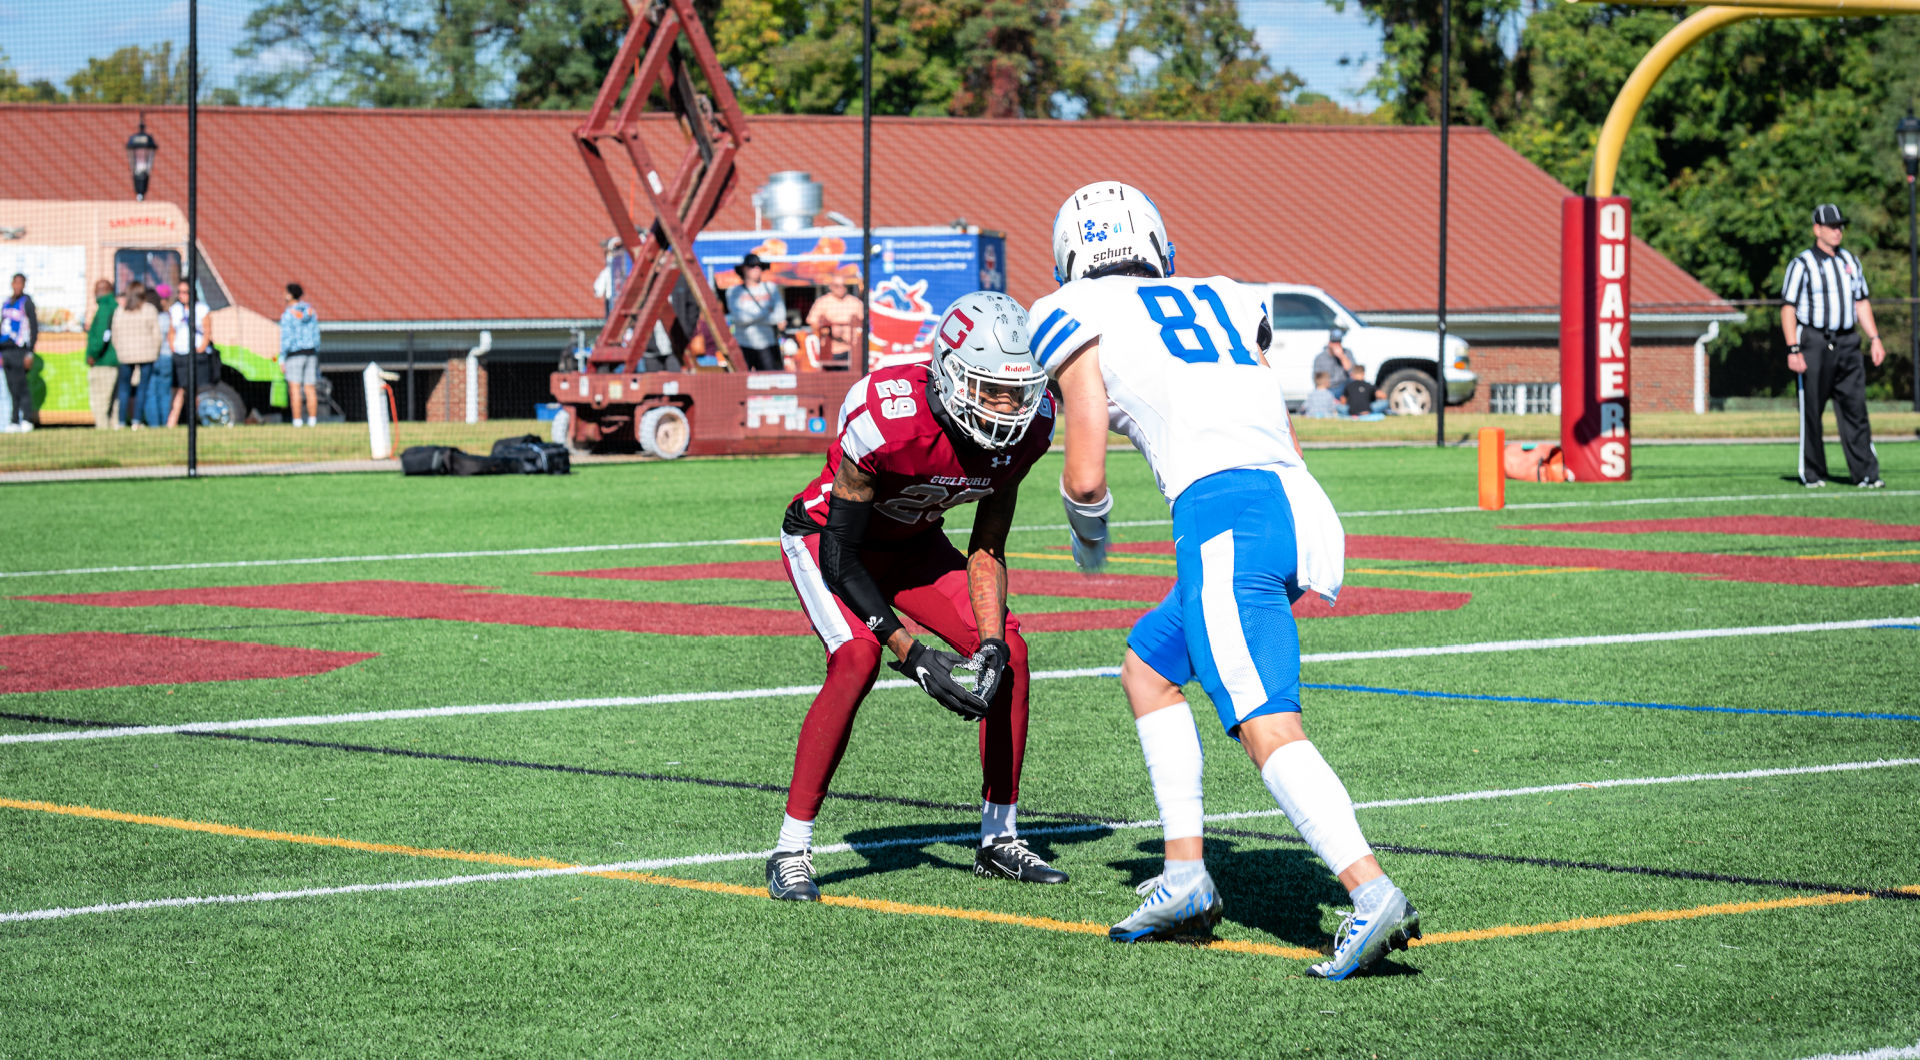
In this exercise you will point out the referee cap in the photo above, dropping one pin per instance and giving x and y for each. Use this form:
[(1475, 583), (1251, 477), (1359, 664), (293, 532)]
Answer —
[(1828, 214)]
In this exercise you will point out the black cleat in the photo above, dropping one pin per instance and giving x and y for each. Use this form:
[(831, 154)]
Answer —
[(790, 876), (1008, 858)]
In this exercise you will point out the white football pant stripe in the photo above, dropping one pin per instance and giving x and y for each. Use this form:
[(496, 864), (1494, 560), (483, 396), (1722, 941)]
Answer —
[(1226, 641), (822, 609)]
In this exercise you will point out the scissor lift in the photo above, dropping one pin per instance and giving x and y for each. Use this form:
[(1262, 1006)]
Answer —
[(616, 402)]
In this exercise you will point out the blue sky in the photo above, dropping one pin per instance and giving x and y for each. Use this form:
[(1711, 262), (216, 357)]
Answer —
[(53, 38)]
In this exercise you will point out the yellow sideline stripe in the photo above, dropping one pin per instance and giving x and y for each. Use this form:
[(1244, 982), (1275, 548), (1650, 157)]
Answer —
[(1475, 574), (1590, 923), (1862, 555), (878, 905), (1110, 559), (282, 837)]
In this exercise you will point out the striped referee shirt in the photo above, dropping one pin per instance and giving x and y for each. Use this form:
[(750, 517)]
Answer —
[(1823, 288)]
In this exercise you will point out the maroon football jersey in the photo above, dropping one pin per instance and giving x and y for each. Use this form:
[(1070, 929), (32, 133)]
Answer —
[(888, 428)]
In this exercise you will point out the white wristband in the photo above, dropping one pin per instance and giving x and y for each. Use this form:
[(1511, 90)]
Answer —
[(1088, 521)]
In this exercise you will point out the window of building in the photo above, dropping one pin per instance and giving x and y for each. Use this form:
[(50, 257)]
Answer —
[(1524, 399)]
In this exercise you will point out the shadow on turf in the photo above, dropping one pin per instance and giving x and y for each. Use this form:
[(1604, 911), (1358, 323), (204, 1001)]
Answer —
[(1281, 892), (934, 854)]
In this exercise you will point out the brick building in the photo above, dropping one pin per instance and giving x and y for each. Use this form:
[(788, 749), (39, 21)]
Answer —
[(414, 230)]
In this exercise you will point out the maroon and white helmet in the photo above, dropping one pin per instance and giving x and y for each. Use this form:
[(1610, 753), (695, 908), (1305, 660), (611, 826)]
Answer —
[(984, 371)]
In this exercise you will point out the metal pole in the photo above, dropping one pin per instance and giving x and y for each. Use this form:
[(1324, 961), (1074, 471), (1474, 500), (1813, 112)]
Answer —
[(1913, 291), (866, 183), (410, 406), (1446, 119), (192, 409)]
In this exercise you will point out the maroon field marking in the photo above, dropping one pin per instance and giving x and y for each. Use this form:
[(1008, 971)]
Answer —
[(52, 662)]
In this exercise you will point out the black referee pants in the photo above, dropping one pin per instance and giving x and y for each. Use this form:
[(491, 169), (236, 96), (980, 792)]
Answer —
[(1836, 370)]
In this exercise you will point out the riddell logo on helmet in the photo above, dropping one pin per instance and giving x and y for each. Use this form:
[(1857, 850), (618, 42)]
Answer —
[(1015, 369)]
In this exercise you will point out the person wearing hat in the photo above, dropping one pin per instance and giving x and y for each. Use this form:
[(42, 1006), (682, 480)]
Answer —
[(755, 309), (1826, 294)]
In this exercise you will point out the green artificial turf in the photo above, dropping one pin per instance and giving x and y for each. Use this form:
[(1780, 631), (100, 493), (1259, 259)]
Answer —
[(580, 965)]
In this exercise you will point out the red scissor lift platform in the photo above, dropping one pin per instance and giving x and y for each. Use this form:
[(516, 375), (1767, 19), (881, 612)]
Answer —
[(615, 403)]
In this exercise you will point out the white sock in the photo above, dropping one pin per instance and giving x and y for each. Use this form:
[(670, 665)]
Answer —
[(311, 422), (1316, 802), (1172, 748), (1180, 873), (996, 820), (795, 834)]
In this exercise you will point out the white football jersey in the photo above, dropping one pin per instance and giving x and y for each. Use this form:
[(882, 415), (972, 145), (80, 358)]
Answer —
[(1181, 362)]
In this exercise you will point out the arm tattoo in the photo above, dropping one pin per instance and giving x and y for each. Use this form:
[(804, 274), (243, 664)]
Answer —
[(851, 483), (987, 562)]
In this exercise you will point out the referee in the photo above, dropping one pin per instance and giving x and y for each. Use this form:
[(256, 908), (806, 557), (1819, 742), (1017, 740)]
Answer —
[(1825, 291)]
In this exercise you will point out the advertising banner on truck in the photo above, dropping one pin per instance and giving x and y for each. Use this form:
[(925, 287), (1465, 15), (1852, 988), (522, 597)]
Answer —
[(918, 272)]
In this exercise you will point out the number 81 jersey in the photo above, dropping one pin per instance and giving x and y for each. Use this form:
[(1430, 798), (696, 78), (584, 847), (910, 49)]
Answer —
[(890, 429), (1180, 358)]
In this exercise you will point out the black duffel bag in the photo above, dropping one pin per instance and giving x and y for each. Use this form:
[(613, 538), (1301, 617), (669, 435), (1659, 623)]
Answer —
[(446, 460), (531, 456), (424, 460)]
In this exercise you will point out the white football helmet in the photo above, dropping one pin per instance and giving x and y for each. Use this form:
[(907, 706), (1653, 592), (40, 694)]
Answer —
[(983, 371), (1107, 226)]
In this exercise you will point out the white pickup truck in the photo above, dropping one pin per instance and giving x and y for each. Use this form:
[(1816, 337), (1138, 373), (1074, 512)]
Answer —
[(1399, 361)]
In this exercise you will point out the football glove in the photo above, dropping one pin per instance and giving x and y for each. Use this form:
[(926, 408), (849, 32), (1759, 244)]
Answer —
[(989, 666), (1087, 530), (933, 672)]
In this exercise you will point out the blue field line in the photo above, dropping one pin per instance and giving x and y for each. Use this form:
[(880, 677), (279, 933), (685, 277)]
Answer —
[(1422, 694)]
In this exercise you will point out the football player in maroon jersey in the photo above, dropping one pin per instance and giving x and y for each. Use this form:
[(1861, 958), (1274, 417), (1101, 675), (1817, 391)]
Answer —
[(865, 538)]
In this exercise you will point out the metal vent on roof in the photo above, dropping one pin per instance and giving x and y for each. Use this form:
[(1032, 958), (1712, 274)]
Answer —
[(789, 200)]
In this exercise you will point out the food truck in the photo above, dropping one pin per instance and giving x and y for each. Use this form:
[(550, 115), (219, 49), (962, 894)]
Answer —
[(65, 247)]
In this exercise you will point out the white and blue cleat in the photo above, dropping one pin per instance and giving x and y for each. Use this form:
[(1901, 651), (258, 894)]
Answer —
[(1365, 939), (1167, 913)]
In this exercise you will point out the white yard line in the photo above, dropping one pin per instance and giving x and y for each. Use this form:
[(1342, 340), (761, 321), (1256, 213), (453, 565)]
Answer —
[(1480, 647), (481, 708), (1891, 1052), (654, 864), (1822, 495)]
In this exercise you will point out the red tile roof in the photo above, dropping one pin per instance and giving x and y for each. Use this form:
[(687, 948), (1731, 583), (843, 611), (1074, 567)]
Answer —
[(469, 214)]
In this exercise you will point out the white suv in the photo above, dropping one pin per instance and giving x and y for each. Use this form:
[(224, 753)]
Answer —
[(1399, 361)]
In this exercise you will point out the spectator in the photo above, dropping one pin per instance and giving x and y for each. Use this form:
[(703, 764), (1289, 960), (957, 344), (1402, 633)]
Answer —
[(186, 340), (613, 275), (755, 309), (300, 353), (19, 332), (1320, 404), (157, 389), (1334, 361), (102, 366), (137, 338), (837, 315)]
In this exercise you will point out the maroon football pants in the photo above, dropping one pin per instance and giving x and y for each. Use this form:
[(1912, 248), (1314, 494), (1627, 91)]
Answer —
[(929, 586)]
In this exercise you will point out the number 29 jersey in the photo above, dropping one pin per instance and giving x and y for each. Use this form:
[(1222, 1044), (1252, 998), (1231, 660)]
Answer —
[(1180, 358), (890, 430)]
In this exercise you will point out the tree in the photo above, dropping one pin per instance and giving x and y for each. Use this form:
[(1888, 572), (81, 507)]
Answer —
[(1001, 58), (1734, 146), (1487, 76), (14, 90), (132, 75), (1180, 60), (381, 53)]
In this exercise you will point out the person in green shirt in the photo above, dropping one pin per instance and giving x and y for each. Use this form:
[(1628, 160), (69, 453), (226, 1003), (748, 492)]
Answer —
[(103, 368)]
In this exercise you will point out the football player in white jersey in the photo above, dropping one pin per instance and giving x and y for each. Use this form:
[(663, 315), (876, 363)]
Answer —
[(1179, 366)]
